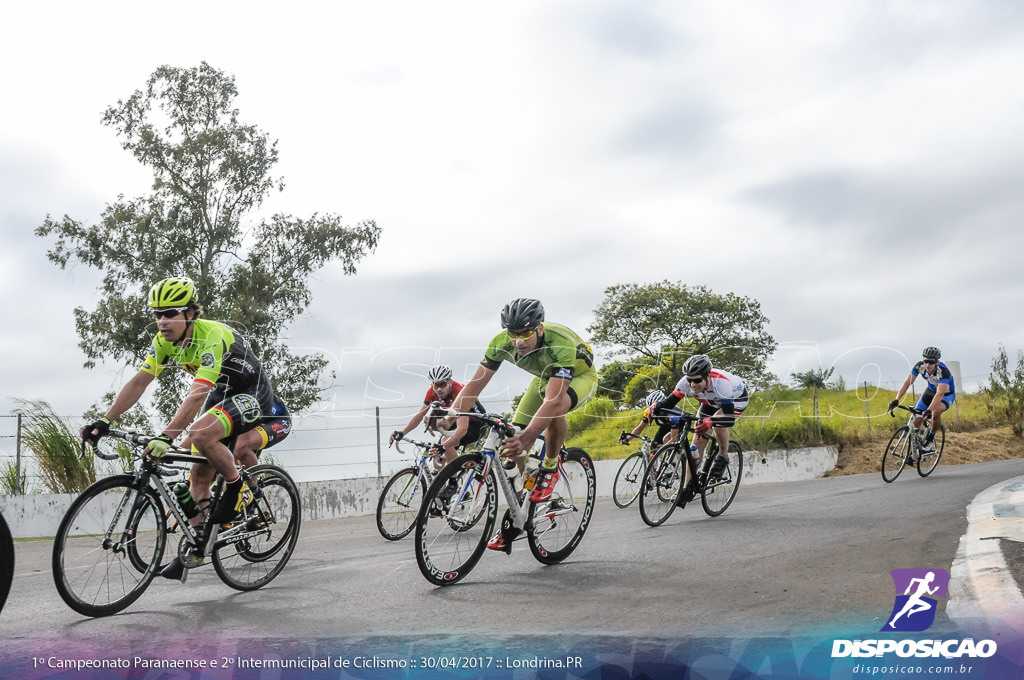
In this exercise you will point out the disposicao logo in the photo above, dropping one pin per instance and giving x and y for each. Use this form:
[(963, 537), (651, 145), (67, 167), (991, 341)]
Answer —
[(915, 606), (912, 612)]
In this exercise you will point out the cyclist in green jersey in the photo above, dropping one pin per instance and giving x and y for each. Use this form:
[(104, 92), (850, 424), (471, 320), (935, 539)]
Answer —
[(565, 377), (230, 394)]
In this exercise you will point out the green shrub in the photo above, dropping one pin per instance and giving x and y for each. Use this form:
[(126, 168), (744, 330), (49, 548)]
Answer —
[(57, 449)]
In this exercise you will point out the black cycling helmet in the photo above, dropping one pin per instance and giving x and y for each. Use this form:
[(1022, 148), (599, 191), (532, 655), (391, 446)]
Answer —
[(698, 364), (522, 313), (931, 353)]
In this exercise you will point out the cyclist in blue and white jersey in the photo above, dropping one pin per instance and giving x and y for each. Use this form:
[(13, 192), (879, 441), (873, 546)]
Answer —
[(938, 396)]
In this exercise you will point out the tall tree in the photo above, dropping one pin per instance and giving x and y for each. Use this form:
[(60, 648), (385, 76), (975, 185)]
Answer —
[(210, 171), (668, 322)]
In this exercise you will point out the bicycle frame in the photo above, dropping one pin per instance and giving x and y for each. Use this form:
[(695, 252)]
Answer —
[(518, 509), (423, 471), (915, 435), (149, 472)]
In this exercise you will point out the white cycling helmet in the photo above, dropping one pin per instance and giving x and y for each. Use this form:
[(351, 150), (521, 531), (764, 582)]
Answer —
[(439, 373), (653, 397)]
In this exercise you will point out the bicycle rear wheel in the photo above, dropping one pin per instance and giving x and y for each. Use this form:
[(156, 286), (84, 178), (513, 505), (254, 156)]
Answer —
[(927, 462), (258, 545), (896, 452), (628, 479), (450, 537), (718, 493), (108, 546), (400, 503), (559, 523), (662, 484)]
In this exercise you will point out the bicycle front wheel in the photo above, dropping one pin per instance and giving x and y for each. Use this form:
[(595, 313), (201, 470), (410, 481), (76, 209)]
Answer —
[(662, 484), (108, 546), (400, 503), (451, 534), (719, 491), (6, 560), (257, 547), (927, 462), (628, 479), (896, 453), (558, 524)]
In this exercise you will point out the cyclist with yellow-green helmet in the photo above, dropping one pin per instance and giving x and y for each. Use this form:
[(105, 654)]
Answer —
[(565, 377), (230, 394)]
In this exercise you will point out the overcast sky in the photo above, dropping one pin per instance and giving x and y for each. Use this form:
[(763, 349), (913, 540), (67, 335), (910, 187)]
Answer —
[(855, 167)]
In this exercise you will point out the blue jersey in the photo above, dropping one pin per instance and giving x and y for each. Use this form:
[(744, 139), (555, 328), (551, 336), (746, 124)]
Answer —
[(942, 375)]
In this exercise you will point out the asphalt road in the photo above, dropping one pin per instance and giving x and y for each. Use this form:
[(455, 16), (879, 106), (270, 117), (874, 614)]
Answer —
[(783, 560)]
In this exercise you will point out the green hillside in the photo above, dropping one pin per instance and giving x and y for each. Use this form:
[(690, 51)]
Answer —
[(782, 418)]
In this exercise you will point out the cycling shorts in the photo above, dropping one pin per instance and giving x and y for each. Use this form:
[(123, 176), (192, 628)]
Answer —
[(240, 411), (581, 388), (274, 427), (926, 399), (709, 411)]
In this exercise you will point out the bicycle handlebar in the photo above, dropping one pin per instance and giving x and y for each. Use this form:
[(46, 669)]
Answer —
[(423, 445), (503, 425), (176, 454), (665, 414), (630, 435), (915, 411)]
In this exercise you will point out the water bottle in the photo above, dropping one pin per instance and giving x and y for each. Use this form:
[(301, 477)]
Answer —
[(512, 470), (184, 496)]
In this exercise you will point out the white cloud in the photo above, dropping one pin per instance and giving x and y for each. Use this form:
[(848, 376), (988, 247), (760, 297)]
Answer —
[(855, 167)]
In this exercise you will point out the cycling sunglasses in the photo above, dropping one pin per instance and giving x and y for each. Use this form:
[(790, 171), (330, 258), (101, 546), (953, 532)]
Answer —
[(442, 383), (694, 381), (930, 361), (168, 313), (522, 335)]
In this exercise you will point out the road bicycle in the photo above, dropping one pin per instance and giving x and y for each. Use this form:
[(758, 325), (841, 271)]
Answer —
[(716, 480), (450, 543), (111, 541), (399, 501), (906, 446), (631, 473)]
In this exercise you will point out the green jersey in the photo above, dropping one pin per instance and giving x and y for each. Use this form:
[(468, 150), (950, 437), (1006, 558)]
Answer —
[(560, 354), (215, 355)]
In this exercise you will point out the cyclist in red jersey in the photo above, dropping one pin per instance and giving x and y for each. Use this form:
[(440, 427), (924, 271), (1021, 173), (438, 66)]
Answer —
[(443, 390)]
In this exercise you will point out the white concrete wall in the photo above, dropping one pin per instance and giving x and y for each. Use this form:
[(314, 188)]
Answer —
[(39, 514)]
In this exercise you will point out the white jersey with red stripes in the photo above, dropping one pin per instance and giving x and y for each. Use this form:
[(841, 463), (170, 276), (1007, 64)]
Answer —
[(722, 388)]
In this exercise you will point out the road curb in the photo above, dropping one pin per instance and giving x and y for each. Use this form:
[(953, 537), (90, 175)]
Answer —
[(983, 592)]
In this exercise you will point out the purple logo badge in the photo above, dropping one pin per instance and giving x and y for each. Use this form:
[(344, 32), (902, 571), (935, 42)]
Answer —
[(914, 609)]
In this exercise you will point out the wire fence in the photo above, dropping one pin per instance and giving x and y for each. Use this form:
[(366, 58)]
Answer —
[(353, 443), (339, 445)]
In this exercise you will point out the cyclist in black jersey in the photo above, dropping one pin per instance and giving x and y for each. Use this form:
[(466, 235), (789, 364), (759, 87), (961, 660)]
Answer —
[(937, 397), (230, 393), (667, 431)]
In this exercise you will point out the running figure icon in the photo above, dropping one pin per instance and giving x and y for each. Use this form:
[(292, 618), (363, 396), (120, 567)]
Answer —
[(917, 586), (915, 604)]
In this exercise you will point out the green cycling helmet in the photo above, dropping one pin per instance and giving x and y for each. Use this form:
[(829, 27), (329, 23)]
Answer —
[(177, 291)]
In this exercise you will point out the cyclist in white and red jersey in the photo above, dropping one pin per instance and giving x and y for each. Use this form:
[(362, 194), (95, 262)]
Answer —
[(722, 396), (444, 390)]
